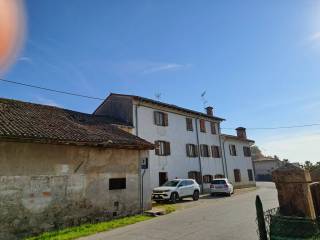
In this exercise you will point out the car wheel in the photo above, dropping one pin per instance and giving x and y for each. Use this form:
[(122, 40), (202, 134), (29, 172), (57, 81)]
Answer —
[(229, 194), (174, 197), (195, 196)]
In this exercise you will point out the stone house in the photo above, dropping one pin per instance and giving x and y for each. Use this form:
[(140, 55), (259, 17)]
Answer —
[(264, 166), (61, 168)]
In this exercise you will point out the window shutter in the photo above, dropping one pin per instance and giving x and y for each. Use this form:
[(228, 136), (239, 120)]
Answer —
[(208, 150), (196, 150), (165, 119), (155, 117), (219, 151), (167, 144), (212, 151), (187, 150), (156, 143)]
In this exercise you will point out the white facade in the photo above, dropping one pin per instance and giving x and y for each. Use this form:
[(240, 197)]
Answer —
[(177, 164), (138, 112), (238, 162)]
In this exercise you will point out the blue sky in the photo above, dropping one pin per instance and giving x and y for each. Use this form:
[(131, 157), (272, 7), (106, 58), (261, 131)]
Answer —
[(259, 61)]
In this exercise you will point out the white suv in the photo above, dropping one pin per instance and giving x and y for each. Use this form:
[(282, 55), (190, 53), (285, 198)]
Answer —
[(176, 189), (221, 185)]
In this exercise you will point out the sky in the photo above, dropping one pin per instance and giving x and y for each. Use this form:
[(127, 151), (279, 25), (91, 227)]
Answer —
[(258, 61)]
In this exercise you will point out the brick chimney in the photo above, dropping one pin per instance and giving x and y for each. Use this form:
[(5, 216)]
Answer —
[(209, 111), (241, 132)]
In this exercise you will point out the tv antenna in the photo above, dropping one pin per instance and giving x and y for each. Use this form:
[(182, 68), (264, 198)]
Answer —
[(204, 100), (158, 96)]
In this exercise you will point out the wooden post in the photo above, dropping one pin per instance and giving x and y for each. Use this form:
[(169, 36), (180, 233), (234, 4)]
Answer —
[(260, 218)]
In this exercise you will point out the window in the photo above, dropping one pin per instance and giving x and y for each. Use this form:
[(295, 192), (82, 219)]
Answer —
[(160, 118), (219, 176), (162, 148), (117, 183), (213, 128), (232, 149), (202, 125), (189, 124), (216, 153), (250, 174), (247, 151), (192, 150), (207, 178), (237, 175), (195, 175), (204, 150)]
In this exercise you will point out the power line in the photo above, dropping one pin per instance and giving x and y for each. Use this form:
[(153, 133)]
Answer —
[(102, 99), (280, 127), (51, 90)]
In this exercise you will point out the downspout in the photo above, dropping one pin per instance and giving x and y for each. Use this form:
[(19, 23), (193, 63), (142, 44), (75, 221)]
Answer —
[(140, 176), (199, 157), (224, 156), (222, 151)]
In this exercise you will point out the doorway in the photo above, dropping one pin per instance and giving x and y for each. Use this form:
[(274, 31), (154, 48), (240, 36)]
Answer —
[(163, 177)]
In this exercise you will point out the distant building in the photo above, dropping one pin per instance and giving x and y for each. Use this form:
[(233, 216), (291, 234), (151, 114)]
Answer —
[(188, 143), (61, 168), (264, 166)]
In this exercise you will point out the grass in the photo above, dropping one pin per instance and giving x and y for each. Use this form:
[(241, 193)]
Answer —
[(168, 208), (89, 229)]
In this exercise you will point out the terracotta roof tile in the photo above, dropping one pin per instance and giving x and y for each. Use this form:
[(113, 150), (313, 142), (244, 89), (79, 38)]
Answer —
[(35, 122)]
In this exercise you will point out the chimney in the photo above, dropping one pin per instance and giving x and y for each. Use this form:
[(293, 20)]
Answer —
[(241, 132), (209, 111)]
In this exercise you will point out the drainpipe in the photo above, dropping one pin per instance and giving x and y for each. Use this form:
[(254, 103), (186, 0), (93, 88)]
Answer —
[(140, 175), (199, 157), (222, 152), (225, 159)]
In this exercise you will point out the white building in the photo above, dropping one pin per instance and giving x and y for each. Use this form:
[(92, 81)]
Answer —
[(264, 167), (188, 143)]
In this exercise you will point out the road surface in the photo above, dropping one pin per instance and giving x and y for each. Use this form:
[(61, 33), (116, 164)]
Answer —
[(223, 218)]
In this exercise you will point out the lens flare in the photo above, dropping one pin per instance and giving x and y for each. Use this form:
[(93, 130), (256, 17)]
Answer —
[(12, 30)]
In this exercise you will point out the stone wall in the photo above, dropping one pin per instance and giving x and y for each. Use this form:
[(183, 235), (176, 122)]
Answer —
[(44, 187)]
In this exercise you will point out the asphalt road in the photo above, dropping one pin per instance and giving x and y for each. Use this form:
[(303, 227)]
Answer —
[(223, 218)]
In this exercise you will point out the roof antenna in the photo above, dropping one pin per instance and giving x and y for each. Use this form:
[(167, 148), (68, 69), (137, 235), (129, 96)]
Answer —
[(158, 96), (204, 100)]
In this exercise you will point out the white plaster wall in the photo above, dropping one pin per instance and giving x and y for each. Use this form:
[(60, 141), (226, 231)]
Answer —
[(238, 162), (265, 167), (177, 164)]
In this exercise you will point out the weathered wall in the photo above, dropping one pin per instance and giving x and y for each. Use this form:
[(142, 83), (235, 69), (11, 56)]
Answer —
[(44, 186)]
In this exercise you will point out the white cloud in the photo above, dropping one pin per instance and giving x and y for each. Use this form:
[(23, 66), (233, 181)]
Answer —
[(315, 37), (47, 101), (25, 59), (157, 67), (298, 147)]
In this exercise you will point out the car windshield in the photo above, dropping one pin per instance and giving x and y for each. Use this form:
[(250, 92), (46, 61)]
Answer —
[(218, 182), (172, 183)]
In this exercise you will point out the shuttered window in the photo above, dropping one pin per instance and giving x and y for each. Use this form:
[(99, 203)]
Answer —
[(216, 151), (192, 150), (232, 150), (160, 118), (189, 124), (247, 151), (207, 178), (195, 175), (162, 148), (250, 174), (237, 175), (204, 150), (213, 128), (202, 125)]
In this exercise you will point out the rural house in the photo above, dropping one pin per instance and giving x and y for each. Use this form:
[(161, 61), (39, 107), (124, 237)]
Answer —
[(60, 168), (188, 144)]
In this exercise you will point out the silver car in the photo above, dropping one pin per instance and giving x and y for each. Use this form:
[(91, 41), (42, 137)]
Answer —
[(222, 186)]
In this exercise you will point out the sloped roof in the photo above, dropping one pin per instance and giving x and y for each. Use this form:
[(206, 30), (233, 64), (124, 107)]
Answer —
[(227, 136), (24, 121), (167, 105)]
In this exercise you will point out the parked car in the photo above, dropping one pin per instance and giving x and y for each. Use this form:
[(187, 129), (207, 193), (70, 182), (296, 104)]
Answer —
[(176, 189), (221, 186)]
